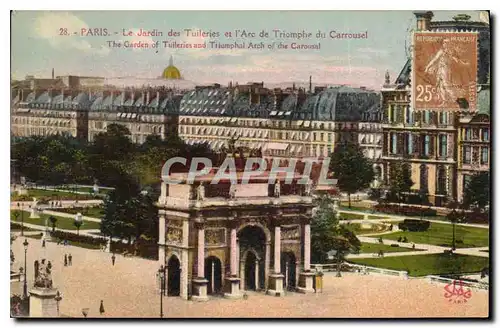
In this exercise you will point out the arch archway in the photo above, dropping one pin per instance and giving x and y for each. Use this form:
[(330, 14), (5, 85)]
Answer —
[(213, 273), (174, 276), (289, 269), (252, 242)]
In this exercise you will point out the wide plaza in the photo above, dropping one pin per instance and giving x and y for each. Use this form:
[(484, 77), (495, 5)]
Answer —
[(129, 289)]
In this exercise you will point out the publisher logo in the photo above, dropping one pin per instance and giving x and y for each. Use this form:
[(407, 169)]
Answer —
[(456, 293)]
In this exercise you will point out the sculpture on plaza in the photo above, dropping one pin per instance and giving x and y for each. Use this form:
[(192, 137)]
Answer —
[(308, 188), (43, 274), (35, 203)]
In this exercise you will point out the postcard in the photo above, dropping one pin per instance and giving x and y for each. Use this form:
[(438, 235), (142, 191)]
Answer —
[(250, 164)]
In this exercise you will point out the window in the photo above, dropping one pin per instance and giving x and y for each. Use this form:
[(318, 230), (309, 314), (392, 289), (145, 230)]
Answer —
[(394, 144), (409, 144), (475, 134), (486, 135), (484, 155), (443, 145), (468, 134), (427, 116), (427, 142), (467, 155)]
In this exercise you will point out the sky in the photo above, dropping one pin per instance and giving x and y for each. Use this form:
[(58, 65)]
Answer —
[(37, 46)]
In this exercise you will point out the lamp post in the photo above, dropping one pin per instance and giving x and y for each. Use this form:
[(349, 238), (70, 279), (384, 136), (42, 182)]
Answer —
[(25, 286), (78, 222), (58, 298), (161, 282)]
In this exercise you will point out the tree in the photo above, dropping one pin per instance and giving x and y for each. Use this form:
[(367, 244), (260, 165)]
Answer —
[(130, 215), (477, 191), (351, 168), (53, 221), (327, 234), (77, 224), (456, 215), (400, 179)]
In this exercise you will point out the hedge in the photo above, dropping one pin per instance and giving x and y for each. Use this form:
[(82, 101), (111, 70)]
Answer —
[(79, 238), (414, 225), (405, 210)]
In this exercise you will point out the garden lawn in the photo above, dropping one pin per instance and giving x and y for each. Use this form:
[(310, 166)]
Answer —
[(356, 228), (93, 212), (62, 223), (351, 216), (375, 248), (422, 265), (441, 234)]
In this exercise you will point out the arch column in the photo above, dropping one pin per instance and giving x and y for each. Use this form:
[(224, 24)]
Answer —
[(233, 282), (275, 287), (200, 284), (306, 277)]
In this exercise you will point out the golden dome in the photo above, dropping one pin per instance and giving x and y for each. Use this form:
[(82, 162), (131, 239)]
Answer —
[(171, 72)]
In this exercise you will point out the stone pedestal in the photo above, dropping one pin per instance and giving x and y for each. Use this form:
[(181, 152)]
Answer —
[(200, 290), (276, 284), (43, 303), (232, 286), (306, 282), (34, 213)]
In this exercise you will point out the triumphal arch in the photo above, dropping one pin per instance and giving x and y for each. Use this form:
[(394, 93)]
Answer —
[(229, 238)]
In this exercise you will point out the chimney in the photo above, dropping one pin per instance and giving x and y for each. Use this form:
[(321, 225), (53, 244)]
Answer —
[(310, 84), (147, 99), (158, 98), (52, 73), (423, 20)]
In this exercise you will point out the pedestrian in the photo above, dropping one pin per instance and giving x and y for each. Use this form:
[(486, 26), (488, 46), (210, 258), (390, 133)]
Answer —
[(101, 308), (413, 247), (113, 258), (65, 259), (43, 243), (70, 260)]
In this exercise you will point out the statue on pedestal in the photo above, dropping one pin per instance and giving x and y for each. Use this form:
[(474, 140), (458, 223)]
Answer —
[(277, 189), (200, 192), (232, 191), (43, 274)]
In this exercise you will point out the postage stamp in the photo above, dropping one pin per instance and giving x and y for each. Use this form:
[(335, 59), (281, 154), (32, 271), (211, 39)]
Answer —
[(445, 66)]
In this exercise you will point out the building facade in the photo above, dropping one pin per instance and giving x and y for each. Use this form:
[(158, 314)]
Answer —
[(474, 137), (428, 139)]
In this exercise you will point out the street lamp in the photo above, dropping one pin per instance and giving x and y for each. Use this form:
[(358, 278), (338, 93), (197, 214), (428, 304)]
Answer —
[(58, 298), (78, 222), (161, 283), (453, 216), (25, 286)]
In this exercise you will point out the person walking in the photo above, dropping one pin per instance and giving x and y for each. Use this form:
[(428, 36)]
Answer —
[(70, 260), (65, 259), (113, 258), (43, 243), (101, 308)]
